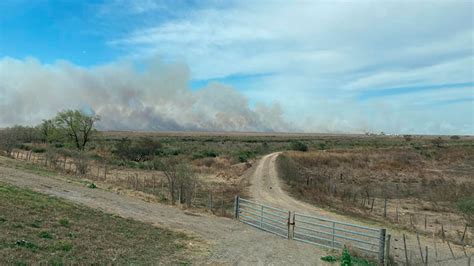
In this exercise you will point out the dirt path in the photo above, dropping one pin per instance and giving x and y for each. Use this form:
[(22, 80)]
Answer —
[(266, 188), (228, 241)]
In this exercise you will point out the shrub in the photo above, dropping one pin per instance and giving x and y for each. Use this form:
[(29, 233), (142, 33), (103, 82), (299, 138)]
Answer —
[(466, 207), (298, 146), (143, 149), (244, 156), (38, 150), (64, 222), (46, 235), (205, 154)]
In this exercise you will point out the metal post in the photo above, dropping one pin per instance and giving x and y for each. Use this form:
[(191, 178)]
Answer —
[(289, 223), (383, 231), (236, 207), (387, 254), (333, 234)]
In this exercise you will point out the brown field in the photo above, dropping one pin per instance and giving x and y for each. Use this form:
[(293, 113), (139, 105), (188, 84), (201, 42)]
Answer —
[(421, 186)]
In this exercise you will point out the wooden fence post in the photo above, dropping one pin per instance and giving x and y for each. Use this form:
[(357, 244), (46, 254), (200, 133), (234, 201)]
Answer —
[(383, 232), (419, 246), (450, 249), (426, 255), (222, 204), (464, 233), (405, 248), (210, 201)]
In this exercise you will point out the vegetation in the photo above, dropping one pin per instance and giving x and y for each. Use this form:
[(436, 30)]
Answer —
[(466, 206), (346, 259), (37, 229)]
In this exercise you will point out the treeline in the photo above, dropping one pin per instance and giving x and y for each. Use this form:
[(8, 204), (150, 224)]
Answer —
[(70, 128)]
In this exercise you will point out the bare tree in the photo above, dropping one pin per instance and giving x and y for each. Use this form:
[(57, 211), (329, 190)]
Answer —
[(180, 177), (8, 140), (76, 126)]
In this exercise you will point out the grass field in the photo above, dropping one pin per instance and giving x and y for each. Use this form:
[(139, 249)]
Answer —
[(423, 185), (38, 229)]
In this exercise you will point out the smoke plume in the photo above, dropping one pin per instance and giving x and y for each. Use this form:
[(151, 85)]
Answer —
[(128, 96)]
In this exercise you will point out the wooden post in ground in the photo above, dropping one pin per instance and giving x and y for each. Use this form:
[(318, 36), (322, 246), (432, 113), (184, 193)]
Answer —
[(426, 255), (435, 248), (385, 208), (450, 249), (419, 246), (210, 201), (397, 214), (442, 232), (425, 221), (222, 204), (464, 234), (372, 205), (405, 248)]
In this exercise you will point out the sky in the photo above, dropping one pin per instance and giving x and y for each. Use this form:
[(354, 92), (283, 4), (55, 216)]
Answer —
[(399, 67)]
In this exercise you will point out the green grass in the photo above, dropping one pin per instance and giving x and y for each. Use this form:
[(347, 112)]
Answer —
[(38, 229)]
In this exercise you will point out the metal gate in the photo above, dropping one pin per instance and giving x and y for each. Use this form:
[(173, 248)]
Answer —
[(270, 219), (315, 230), (337, 235)]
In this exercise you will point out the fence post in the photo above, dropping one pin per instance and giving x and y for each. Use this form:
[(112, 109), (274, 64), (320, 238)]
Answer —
[(383, 231), (333, 233), (289, 224), (261, 219), (387, 248), (236, 210)]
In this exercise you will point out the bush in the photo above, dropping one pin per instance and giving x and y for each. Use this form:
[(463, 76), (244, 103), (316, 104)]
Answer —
[(466, 207), (143, 149), (38, 150), (244, 156), (299, 146), (205, 154)]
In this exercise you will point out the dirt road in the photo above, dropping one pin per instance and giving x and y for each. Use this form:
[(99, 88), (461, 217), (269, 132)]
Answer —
[(227, 241), (266, 187)]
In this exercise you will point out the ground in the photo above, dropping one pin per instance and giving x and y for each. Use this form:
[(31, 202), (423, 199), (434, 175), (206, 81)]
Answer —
[(36, 228)]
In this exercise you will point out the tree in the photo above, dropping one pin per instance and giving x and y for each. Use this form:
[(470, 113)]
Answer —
[(48, 131), (180, 177), (76, 126), (8, 140)]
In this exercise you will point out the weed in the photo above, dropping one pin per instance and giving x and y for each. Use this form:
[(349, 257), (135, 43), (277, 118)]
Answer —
[(26, 244), (92, 185), (46, 235), (63, 246), (36, 224), (64, 222)]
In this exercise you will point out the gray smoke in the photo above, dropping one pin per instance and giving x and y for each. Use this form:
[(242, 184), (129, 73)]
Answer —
[(128, 96)]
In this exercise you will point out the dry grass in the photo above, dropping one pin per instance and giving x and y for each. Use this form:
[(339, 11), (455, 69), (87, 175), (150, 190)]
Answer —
[(37, 229), (421, 182)]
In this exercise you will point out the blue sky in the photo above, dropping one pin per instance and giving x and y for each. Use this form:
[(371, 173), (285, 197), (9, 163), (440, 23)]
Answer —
[(312, 66)]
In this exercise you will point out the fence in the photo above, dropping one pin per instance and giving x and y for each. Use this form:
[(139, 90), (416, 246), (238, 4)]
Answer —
[(273, 220), (334, 234), (315, 230)]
